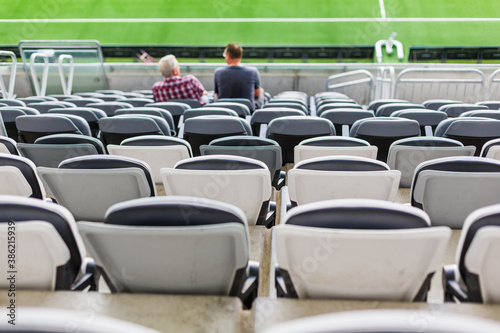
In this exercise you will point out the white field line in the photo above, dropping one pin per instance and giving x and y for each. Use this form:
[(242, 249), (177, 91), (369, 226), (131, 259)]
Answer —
[(250, 20), (382, 9)]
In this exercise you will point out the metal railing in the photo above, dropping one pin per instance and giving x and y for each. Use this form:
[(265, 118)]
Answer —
[(8, 94), (358, 84)]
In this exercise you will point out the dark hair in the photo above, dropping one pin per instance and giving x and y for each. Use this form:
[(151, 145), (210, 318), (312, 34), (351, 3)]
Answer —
[(234, 50)]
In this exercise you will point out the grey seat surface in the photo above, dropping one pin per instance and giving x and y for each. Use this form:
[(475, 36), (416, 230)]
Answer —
[(118, 128), (31, 128), (241, 109), (291, 130), (383, 131), (455, 110), (450, 188), (43, 107), (343, 118), (427, 119), (152, 111), (110, 107), (9, 115), (264, 116), (244, 101), (386, 110)]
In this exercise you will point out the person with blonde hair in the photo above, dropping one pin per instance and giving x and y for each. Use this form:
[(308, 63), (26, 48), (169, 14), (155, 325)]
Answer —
[(174, 86)]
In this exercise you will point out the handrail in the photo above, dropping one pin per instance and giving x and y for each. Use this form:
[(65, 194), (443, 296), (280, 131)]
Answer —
[(45, 74), (67, 85), (10, 93)]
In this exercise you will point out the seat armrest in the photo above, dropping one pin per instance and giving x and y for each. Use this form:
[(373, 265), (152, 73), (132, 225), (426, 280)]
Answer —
[(89, 278), (452, 289), (250, 286), (271, 215)]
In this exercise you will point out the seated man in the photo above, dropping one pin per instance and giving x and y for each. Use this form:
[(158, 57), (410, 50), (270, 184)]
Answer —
[(235, 80), (174, 86)]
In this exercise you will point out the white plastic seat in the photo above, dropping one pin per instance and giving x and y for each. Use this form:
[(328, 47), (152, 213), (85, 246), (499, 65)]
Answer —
[(340, 177), (240, 181), (357, 249), (333, 145)]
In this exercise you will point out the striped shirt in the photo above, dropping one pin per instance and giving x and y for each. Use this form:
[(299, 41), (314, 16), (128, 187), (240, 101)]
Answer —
[(177, 87)]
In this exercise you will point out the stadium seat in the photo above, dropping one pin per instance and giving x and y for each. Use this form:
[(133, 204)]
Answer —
[(475, 276), (493, 114), (157, 151), (435, 104), (49, 250), (82, 102), (343, 118), (341, 177), (118, 128), (450, 188), (428, 119), (204, 111), (19, 177), (89, 185), (262, 117), (31, 128), (110, 107), (139, 102), (455, 110), (375, 104), (188, 246), (43, 107), (492, 105), (357, 249), (9, 115), (240, 181), (406, 154), (8, 145), (386, 110), (175, 109), (265, 150), (277, 104), (202, 130), (383, 131), (242, 110), (193, 103), (491, 149), (469, 130), (12, 102), (50, 150), (333, 145), (244, 101), (324, 107), (291, 130), (151, 111), (91, 115)]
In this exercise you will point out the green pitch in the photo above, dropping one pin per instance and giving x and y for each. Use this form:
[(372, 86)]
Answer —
[(313, 22)]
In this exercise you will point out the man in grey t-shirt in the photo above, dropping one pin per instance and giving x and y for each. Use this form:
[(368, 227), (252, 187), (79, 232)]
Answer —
[(235, 80)]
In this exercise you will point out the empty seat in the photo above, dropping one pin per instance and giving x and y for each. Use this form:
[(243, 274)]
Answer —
[(202, 130), (110, 107), (383, 131), (333, 145), (491, 149), (475, 275), (12, 102), (492, 105), (50, 254), (193, 103), (81, 102), (493, 114), (43, 107), (175, 109), (375, 104), (187, 245), (214, 111), (334, 106), (89, 185), (50, 150), (8, 145), (291, 130), (263, 117), (139, 101), (19, 177), (386, 110), (428, 120), (450, 188), (455, 110), (91, 115), (240, 181), (157, 151), (244, 101), (343, 118), (296, 106), (9, 115), (340, 177), (435, 104), (262, 149), (118, 128), (31, 128), (469, 130), (241, 109), (357, 249), (151, 111), (406, 154)]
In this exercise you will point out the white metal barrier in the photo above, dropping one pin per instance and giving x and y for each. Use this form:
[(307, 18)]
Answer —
[(358, 84), (9, 94), (67, 84), (40, 91), (419, 84)]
